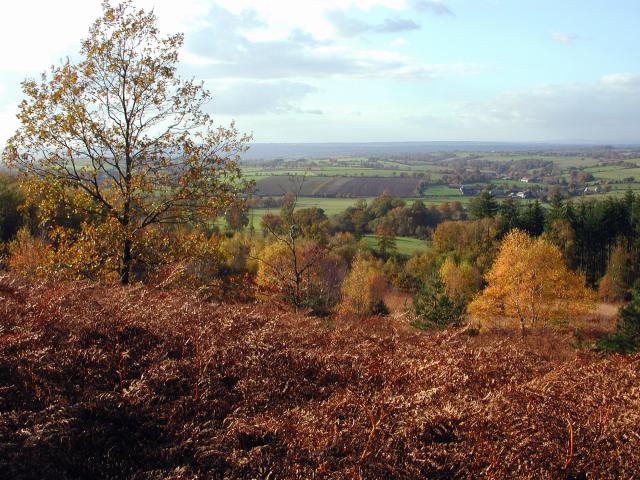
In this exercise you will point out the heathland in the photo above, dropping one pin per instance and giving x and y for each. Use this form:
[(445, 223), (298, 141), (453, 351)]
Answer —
[(173, 308), (114, 382)]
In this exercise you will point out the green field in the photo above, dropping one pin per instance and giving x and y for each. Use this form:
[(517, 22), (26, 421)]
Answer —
[(357, 177), (405, 245)]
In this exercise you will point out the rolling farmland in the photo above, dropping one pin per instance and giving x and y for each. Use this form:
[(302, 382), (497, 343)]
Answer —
[(345, 187)]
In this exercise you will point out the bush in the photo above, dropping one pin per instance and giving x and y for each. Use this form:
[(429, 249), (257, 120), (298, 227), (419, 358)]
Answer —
[(434, 308), (626, 338), (363, 290), (311, 279), (29, 257)]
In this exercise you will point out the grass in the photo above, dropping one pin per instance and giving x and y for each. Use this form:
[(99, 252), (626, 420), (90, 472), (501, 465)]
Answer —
[(323, 173), (405, 245)]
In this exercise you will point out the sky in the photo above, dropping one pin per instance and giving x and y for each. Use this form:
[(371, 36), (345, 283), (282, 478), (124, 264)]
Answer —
[(377, 70)]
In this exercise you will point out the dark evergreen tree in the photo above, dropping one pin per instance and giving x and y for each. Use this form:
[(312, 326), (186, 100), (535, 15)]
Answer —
[(508, 217), (434, 308), (556, 208), (484, 205), (10, 217), (626, 338), (532, 219)]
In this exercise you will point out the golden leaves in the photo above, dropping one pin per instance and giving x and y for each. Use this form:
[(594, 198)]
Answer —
[(119, 137), (530, 283)]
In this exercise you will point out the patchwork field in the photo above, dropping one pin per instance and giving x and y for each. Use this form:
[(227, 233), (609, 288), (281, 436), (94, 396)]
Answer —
[(334, 184), (353, 187)]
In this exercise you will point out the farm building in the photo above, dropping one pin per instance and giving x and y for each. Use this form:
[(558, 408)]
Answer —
[(466, 190)]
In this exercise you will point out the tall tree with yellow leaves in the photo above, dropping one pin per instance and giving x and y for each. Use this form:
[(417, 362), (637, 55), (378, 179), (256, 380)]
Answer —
[(120, 137), (530, 283)]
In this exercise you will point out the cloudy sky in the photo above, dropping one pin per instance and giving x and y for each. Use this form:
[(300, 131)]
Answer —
[(378, 70)]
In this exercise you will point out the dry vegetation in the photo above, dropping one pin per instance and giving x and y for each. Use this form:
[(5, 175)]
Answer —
[(115, 382)]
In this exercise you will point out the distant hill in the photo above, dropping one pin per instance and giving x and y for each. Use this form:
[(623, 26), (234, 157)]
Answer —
[(271, 151)]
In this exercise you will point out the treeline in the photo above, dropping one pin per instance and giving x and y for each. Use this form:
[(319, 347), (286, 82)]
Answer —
[(598, 237), (389, 215), (385, 215)]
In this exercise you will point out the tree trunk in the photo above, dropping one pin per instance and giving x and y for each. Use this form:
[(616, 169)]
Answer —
[(126, 262)]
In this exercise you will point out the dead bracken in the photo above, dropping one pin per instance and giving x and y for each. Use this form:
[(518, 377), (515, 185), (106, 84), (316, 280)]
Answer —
[(131, 382)]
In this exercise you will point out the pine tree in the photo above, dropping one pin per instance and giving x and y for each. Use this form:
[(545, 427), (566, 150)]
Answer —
[(484, 205), (434, 308)]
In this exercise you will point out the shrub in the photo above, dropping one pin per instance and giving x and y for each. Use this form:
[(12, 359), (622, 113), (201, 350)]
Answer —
[(29, 256), (304, 274), (364, 288), (434, 308), (626, 338)]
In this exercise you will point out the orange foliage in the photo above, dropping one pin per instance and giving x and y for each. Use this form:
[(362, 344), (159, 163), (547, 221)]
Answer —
[(530, 283), (460, 280), (363, 289), (311, 277), (28, 256)]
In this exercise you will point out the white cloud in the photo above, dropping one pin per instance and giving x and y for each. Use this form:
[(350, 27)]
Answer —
[(436, 7), (8, 123), (622, 80), (34, 34), (224, 50), (251, 97), (605, 110), (565, 38), (280, 17)]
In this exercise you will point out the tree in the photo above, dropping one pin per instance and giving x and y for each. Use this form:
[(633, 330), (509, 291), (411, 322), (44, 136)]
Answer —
[(460, 281), (484, 205), (120, 137), (364, 288), (532, 219), (289, 241), (303, 272), (556, 207), (236, 217), (530, 283), (313, 223), (434, 307), (626, 338), (618, 279), (508, 218), (10, 216), (386, 242)]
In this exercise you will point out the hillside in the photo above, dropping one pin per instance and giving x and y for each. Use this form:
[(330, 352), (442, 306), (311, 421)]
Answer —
[(115, 382)]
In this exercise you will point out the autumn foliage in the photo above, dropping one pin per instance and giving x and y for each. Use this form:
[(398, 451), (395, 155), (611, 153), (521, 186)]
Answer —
[(303, 273), (119, 140), (363, 289), (530, 284), (112, 382)]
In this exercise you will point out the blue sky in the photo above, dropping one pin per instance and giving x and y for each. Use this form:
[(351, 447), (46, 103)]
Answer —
[(379, 70)]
